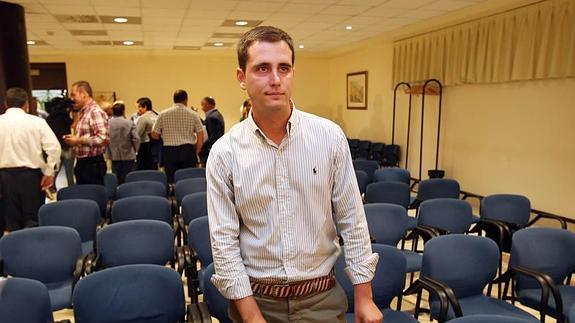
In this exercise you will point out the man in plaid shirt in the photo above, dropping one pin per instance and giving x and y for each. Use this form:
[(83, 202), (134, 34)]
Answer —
[(91, 136)]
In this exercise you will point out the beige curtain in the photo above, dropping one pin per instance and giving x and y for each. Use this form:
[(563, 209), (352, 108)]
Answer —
[(532, 42)]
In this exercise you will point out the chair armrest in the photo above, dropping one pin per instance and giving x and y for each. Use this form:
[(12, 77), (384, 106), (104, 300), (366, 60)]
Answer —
[(108, 209), (541, 215), (501, 227), (450, 296), (180, 257), (434, 231), (415, 204), (190, 261), (432, 288), (547, 284), (79, 269)]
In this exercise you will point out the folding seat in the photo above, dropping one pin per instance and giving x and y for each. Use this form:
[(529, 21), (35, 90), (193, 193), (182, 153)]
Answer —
[(24, 300), (148, 175), (96, 193), (541, 265), (368, 166), (141, 188), (192, 172), (131, 293), (81, 215), (460, 266), (49, 254), (387, 284)]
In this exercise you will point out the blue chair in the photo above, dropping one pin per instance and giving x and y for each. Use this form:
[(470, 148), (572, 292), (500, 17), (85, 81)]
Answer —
[(489, 319), (435, 188), (476, 259), (445, 215), (141, 188), (193, 206), (81, 215), (111, 184), (387, 283), (198, 249), (142, 208), (217, 304), (388, 224), (541, 263), (368, 166), (362, 180), (51, 255), (392, 174), (24, 300), (148, 175), (388, 192), (192, 172), (96, 193), (189, 186), (131, 293)]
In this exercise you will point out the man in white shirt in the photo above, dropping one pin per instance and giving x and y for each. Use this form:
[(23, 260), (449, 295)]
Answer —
[(278, 183), (24, 171)]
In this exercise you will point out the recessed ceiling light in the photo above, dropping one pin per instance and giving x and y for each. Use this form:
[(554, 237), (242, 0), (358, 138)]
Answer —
[(31, 42), (128, 43), (301, 46), (121, 20), (218, 44), (241, 23), (349, 27)]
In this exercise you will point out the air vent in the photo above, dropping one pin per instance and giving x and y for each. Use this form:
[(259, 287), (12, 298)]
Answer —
[(83, 19), (89, 32), (96, 43), (187, 47), (227, 35)]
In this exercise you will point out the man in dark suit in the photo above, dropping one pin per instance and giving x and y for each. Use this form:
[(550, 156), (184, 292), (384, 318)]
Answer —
[(215, 126)]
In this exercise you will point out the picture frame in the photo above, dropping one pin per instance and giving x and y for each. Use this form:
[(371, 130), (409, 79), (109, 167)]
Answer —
[(356, 90)]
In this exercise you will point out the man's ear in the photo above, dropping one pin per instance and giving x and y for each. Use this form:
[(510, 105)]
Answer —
[(241, 76)]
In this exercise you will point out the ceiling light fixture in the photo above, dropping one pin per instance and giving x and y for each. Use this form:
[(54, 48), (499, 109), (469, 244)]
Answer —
[(241, 23), (301, 46), (349, 27), (120, 20), (218, 44), (128, 43), (31, 42)]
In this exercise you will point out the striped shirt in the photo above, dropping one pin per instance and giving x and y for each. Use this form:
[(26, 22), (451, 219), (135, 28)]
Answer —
[(178, 125), (273, 209), (92, 124)]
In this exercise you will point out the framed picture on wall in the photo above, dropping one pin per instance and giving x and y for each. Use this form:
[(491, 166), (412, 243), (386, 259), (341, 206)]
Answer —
[(357, 90)]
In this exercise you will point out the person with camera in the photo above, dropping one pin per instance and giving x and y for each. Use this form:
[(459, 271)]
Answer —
[(60, 122), (92, 136), (24, 172)]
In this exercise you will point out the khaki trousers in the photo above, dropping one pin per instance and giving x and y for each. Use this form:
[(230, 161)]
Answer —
[(328, 306)]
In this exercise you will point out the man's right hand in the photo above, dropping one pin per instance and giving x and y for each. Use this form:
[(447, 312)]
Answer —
[(249, 310)]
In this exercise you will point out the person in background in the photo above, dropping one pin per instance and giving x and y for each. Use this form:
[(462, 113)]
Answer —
[(91, 136), (60, 122), (246, 107), (24, 173), (215, 126), (124, 142), (278, 185), (144, 125)]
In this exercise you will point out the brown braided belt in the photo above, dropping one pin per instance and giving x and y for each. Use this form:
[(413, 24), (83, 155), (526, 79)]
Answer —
[(296, 289)]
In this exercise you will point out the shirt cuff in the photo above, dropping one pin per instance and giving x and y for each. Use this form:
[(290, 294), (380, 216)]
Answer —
[(233, 288), (362, 272)]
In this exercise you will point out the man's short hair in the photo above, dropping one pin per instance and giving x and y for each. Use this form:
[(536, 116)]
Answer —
[(85, 86), (16, 97), (211, 101), (145, 103), (180, 96), (118, 109), (264, 34)]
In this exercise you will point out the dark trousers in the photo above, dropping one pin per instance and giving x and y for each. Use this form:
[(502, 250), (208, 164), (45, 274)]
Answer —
[(90, 170), (178, 157), (145, 158), (21, 197), (121, 168)]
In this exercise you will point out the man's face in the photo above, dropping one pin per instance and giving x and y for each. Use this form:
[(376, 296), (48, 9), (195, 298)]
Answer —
[(140, 109), (79, 96), (205, 106), (268, 76)]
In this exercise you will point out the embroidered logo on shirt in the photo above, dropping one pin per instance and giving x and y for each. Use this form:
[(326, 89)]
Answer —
[(314, 171)]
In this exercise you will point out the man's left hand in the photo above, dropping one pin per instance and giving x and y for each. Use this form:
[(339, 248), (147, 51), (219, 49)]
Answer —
[(367, 312), (73, 140), (46, 182)]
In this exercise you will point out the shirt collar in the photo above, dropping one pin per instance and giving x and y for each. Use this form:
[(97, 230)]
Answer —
[(180, 105), (290, 127), (14, 110), (88, 106)]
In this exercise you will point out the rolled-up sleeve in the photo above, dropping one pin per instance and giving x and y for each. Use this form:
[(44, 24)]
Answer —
[(350, 217), (230, 275)]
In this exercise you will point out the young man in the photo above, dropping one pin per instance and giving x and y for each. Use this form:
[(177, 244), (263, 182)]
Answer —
[(278, 184)]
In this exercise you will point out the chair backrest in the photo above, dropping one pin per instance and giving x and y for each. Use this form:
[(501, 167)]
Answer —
[(189, 186), (392, 174), (111, 184), (132, 293), (96, 193), (452, 215), (142, 208), (199, 239), (148, 175), (216, 302), (388, 281), (47, 254), (487, 318), (476, 259), (368, 166), (437, 188), (362, 180), (141, 188), (510, 208), (387, 223), (194, 205), (135, 242), (24, 300), (388, 192), (548, 250), (192, 172), (82, 215)]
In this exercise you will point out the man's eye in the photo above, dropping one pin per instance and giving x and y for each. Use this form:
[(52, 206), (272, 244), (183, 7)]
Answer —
[(262, 69)]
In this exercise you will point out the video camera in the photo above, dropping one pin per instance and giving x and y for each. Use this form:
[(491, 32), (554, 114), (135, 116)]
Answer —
[(59, 105)]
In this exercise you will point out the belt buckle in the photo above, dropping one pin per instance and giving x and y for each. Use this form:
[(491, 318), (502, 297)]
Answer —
[(277, 289)]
